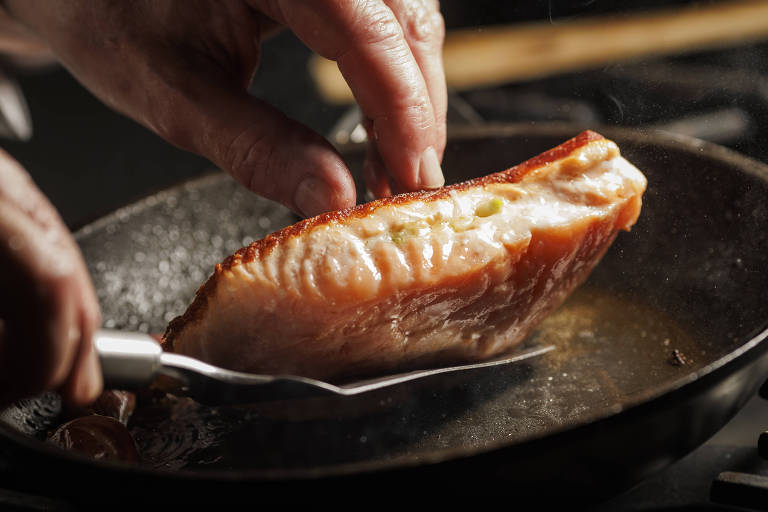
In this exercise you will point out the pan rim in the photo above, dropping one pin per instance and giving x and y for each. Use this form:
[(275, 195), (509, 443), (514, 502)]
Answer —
[(750, 347)]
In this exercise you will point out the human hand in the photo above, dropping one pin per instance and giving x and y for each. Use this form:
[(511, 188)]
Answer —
[(182, 68), (48, 308)]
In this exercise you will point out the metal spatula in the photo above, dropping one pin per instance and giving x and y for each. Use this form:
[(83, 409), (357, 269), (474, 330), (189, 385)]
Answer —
[(133, 361)]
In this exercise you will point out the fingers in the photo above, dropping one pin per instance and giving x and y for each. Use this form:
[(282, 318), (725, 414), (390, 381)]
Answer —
[(424, 30), (48, 308), (84, 380), (264, 150), (185, 76), (198, 106), (374, 173), (368, 43)]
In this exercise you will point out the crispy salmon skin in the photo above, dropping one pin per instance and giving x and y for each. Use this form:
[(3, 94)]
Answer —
[(461, 273)]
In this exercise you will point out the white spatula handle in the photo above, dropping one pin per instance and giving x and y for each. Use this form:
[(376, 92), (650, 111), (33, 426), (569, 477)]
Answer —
[(129, 360)]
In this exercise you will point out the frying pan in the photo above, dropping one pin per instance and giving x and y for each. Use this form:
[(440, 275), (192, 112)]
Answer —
[(655, 353)]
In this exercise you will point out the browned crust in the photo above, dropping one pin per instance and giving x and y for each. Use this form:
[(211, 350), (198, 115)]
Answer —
[(264, 246)]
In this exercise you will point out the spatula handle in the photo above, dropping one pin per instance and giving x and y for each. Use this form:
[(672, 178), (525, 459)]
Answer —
[(129, 360)]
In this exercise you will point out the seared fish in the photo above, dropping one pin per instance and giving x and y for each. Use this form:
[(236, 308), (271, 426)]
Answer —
[(429, 278)]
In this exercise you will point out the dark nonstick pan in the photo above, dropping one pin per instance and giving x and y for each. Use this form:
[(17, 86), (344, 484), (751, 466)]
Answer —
[(656, 352)]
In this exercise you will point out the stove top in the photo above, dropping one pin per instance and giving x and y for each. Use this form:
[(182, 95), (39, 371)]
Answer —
[(719, 96), (688, 483)]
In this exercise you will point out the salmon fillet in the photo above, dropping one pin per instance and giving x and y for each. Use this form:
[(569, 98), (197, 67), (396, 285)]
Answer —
[(429, 278)]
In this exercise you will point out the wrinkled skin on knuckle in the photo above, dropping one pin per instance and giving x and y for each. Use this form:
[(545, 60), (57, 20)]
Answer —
[(399, 57), (373, 24), (423, 23), (249, 159), (265, 174), (176, 114), (418, 115), (277, 174)]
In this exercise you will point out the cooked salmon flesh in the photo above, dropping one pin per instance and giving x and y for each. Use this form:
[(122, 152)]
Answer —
[(438, 277)]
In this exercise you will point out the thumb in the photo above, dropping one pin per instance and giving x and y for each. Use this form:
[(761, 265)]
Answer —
[(272, 155)]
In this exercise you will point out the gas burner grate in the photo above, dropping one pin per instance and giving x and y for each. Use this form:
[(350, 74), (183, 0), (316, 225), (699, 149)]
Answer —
[(719, 96), (744, 489)]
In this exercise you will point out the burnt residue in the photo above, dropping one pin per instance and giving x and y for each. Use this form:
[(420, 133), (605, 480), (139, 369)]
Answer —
[(677, 358)]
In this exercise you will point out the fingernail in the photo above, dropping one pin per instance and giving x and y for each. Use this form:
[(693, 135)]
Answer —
[(430, 173), (313, 197)]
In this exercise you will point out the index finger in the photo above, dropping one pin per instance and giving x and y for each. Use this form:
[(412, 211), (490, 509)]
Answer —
[(368, 44)]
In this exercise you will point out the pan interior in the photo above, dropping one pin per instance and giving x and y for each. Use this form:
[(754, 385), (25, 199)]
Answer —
[(677, 293)]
